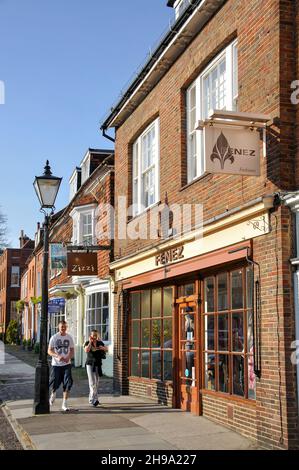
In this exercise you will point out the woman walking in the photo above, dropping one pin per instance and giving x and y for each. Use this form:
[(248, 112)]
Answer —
[(96, 351)]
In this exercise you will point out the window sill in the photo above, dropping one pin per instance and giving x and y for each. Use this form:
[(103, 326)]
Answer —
[(196, 180), (230, 398)]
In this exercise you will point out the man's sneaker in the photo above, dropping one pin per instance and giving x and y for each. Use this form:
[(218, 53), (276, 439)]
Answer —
[(65, 406), (96, 403), (52, 398)]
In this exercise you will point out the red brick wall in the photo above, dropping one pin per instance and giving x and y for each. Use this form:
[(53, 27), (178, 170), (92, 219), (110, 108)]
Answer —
[(267, 50)]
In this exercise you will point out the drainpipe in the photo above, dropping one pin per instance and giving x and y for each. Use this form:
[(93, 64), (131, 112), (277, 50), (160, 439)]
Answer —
[(292, 201), (106, 135)]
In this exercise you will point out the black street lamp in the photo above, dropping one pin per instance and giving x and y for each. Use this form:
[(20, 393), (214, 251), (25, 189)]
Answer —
[(46, 187)]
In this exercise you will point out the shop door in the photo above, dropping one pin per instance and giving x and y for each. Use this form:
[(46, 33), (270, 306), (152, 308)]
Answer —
[(188, 357)]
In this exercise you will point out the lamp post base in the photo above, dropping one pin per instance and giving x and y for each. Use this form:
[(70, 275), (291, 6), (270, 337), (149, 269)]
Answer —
[(41, 395)]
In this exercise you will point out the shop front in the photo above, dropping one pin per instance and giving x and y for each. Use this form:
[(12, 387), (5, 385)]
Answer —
[(191, 319)]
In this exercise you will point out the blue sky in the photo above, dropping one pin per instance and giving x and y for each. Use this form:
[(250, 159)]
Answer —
[(63, 63)]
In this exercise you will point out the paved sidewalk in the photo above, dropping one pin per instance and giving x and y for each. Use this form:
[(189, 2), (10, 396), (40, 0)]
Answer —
[(120, 423)]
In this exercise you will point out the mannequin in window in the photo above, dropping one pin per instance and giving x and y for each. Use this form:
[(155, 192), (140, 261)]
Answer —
[(189, 330)]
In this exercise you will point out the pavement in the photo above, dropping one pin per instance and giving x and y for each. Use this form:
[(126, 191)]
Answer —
[(120, 423)]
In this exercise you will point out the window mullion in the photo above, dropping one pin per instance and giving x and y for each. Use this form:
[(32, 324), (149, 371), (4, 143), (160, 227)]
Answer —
[(229, 77)]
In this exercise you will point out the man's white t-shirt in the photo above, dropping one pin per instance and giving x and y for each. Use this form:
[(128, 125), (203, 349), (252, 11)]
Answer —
[(61, 345)]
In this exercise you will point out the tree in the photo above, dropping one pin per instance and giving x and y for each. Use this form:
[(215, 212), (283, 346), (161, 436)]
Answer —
[(3, 232)]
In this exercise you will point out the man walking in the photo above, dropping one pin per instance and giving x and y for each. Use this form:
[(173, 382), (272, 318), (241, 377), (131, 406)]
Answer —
[(61, 348)]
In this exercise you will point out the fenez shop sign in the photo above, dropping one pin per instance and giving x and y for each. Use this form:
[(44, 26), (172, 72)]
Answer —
[(232, 151)]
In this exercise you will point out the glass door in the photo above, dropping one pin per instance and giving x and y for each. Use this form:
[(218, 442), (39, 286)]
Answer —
[(188, 356)]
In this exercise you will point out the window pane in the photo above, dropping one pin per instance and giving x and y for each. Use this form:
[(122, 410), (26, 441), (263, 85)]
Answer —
[(238, 375), (97, 316), (250, 331), (237, 289), (135, 363), (222, 292), (145, 333), (209, 295), (156, 365), (156, 302), (135, 305), (145, 355), (105, 333), (209, 332), (238, 332), (251, 379), (135, 334), (167, 299), (156, 333), (188, 326), (188, 363), (210, 371), (167, 333), (145, 304), (223, 332), (105, 299), (223, 370), (105, 313), (186, 290), (167, 365)]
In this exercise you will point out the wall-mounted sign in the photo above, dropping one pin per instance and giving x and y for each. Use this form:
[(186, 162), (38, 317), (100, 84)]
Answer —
[(56, 305), (58, 256), (82, 264), (232, 151), (168, 256)]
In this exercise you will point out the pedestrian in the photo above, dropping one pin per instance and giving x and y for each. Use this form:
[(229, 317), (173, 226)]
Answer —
[(96, 351), (61, 349)]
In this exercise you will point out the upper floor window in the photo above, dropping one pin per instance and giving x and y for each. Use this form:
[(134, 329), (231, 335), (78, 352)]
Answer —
[(15, 276), (84, 225), (215, 88), (146, 168)]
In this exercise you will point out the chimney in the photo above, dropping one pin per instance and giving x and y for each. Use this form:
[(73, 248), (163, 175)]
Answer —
[(22, 239)]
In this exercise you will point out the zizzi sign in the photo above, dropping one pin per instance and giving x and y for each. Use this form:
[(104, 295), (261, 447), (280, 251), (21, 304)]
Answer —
[(82, 264), (232, 151), (173, 254)]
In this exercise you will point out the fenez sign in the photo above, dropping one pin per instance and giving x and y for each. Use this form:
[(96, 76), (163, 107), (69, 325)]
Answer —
[(232, 151)]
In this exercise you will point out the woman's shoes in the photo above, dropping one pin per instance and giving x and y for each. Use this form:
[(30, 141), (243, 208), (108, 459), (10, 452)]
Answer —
[(96, 403)]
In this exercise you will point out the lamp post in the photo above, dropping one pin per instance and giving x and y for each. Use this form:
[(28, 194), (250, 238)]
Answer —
[(46, 187)]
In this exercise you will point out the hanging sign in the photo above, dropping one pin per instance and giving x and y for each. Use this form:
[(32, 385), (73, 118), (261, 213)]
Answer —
[(82, 264), (232, 151), (58, 256)]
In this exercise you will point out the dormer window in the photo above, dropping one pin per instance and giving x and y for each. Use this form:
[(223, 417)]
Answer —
[(85, 168), (75, 182)]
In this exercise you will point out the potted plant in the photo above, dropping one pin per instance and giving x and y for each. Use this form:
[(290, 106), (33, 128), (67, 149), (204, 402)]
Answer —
[(24, 344)]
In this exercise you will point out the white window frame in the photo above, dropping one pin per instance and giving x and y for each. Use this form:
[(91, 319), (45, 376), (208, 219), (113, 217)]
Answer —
[(16, 273), (180, 6), (231, 100), (97, 326), (138, 175), (85, 169), (78, 214)]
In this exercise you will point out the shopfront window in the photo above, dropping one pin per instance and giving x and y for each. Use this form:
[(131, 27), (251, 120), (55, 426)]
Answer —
[(97, 315), (151, 334), (228, 326)]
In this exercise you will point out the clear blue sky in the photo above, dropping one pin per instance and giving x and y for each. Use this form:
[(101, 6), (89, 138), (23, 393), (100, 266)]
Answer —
[(63, 63)]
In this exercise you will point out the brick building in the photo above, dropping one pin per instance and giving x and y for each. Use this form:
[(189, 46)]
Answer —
[(30, 293), (86, 302), (207, 324), (12, 263)]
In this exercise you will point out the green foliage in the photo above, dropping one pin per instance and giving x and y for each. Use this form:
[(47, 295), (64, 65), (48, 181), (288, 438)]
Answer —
[(36, 348), (36, 300), (12, 332), (20, 304)]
